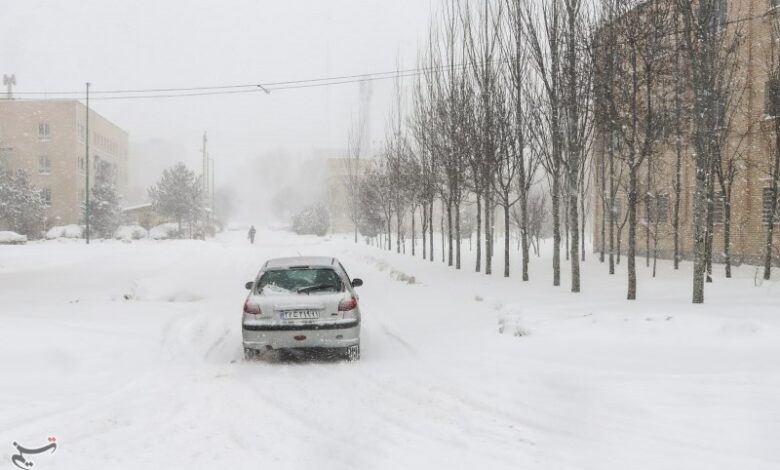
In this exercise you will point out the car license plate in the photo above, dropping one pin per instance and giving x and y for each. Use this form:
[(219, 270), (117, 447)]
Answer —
[(300, 315)]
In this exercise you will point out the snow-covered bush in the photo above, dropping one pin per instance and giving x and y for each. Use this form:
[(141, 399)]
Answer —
[(12, 238), (22, 205), (130, 232), (65, 231), (104, 208), (164, 231)]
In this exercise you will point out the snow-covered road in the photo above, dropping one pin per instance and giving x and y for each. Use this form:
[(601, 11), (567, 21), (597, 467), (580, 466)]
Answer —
[(130, 355)]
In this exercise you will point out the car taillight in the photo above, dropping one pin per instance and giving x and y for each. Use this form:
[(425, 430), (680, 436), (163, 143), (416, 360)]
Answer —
[(252, 308), (348, 304)]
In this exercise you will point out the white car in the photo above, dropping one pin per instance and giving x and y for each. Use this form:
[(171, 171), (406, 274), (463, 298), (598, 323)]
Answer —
[(304, 302)]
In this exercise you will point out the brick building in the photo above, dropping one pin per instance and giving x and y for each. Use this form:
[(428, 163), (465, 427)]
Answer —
[(751, 138), (46, 138)]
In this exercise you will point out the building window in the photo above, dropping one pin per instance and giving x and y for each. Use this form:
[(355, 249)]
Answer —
[(772, 97), (44, 132), (46, 196), (766, 207), (657, 209), (662, 203), (82, 133), (718, 208), (614, 208), (82, 165), (44, 165)]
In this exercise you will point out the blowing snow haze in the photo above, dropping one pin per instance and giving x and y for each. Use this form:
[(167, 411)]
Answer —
[(122, 45), (396, 234)]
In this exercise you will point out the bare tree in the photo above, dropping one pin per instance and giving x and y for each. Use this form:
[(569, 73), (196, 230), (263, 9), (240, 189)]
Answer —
[(353, 176), (576, 105), (642, 48), (507, 168), (729, 155), (516, 53), (608, 63), (483, 50), (681, 132), (708, 42), (544, 28)]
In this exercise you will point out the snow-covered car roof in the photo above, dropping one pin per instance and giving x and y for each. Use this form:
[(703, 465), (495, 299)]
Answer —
[(281, 263)]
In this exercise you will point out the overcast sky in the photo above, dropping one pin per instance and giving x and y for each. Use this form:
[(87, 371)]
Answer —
[(128, 44)]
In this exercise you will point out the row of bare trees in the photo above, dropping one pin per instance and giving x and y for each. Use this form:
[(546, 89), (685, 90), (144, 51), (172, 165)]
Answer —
[(520, 102)]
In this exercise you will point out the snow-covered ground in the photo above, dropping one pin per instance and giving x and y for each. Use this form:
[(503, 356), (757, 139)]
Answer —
[(130, 354)]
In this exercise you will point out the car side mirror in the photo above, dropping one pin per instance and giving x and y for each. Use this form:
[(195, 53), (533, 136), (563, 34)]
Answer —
[(249, 285), (357, 282)]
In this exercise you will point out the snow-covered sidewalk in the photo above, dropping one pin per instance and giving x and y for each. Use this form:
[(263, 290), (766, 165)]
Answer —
[(130, 355)]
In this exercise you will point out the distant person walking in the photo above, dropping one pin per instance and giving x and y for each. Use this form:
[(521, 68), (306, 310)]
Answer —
[(252, 233)]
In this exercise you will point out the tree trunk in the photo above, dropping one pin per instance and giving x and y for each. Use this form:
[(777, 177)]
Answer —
[(424, 227), (430, 230), (648, 189), (708, 246), (414, 241), (582, 221), (506, 239), (478, 267), (524, 232), (488, 234), (398, 232), (699, 231), (632, 234), (556, 193), (770, 228), (603, 209), (575, 239), (566, 216), (457, 235), (655, 250), (612, 208), (443, 250), (389, 233), (677, 199), (449, 232), (727, 233)]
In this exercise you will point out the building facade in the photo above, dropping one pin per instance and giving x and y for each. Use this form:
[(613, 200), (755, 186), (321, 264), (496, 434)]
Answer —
[(47, 139), (337, 190), (749, 146)]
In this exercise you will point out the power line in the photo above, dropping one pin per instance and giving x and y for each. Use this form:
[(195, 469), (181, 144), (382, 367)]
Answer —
[(183, 92), (248, 88)]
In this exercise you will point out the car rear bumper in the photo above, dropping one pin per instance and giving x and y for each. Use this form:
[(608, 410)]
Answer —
[(340, 334)]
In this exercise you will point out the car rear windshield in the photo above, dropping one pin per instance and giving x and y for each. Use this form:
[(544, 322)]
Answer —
[(299, 281)]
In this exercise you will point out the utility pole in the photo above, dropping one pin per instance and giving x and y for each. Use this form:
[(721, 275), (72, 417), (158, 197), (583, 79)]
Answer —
[(211, 175), (205, 177), (86, 140)]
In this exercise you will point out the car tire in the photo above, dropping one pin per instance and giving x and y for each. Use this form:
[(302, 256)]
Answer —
[(250, 354), (353, 353)]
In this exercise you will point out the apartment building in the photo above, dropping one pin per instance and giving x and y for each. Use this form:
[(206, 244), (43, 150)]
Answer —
[(337, 190), (750, 145), (46, 139)]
